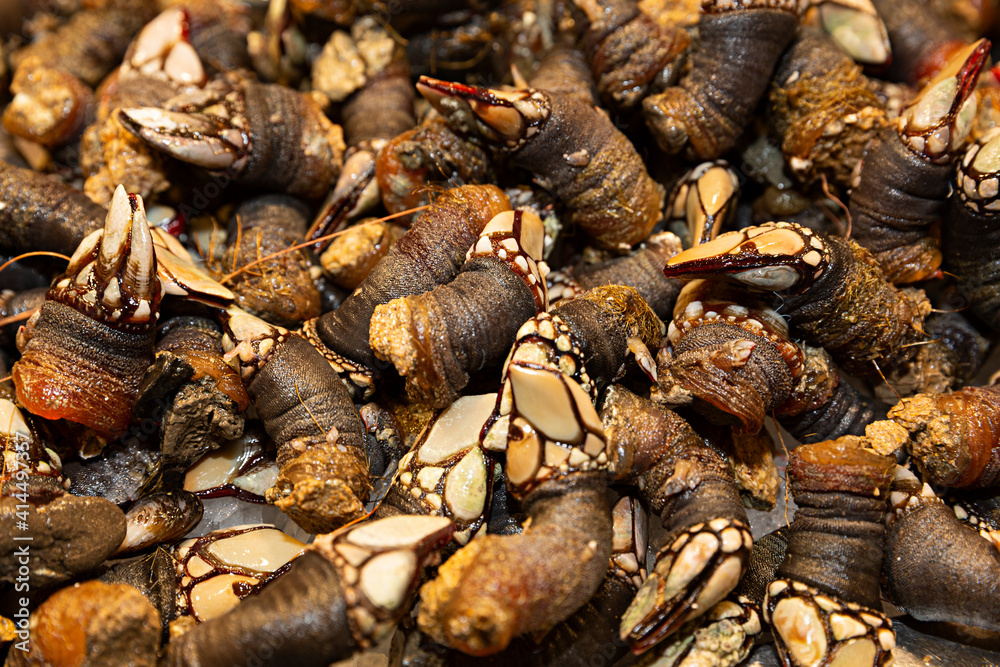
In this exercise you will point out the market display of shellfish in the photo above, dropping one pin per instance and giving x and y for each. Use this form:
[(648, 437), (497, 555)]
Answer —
[(381, 332)]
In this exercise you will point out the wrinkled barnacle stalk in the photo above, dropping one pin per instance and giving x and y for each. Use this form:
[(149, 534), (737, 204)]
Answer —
[(498, 587), (831, 290), (705, 199), (569, 146), (258, 134), (691, 486), (54, 74), (905, 176), (954, 438), (591, 631), (71, 534), (324, 478), (280, 290), (629, 52), (447, 472), (937, 568), (430, 254), (731, 352), (564, 69), (824, 604), (344, 594), (857, 28), (160, 63), (92, 623), (641, 269), (822, 110), (85, 351), (431, 153), (42, 213), (382, 108), (707, 111), (970, 239), (437, 339), (189, 389), (922, 40), (824, 406)]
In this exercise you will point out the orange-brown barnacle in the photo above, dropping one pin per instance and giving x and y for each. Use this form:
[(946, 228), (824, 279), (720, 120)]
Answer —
[(937, 122), (776, 256), (93, 339), (506, 118)]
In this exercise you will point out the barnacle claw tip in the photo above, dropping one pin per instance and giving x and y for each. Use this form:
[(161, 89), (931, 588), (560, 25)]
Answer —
[(508, 115), (125, 259), (775, 256), (190, 137)]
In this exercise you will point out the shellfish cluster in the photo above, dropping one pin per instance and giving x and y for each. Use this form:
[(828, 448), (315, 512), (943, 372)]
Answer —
[(330, 323)]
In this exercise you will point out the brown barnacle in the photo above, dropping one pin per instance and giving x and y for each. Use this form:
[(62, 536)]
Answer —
[(89, 625), (431, 153), (437, 339), (588, 632), (905, 178), (824, 604), (822, 110), (723, 637), (92, 42), (969, 231), (279, 290), (832, 291), (159, 64), (937, 567), (446, 473), (612, 320), (84, 356), (159, 518), (351, 256), (690, 485), (641, 269), (823, 405), (70, 535), (501, 586), (630, 54), (732, 352), (344, 594), (383, 107), (379, 110), (565, 70), (41, 213), (257, 134), (740, 42), (567, 145), (50, 106), (323, 481), (219, 569), (430, 254), (923, 40), (195, 395), (954, 436), (951, 355)]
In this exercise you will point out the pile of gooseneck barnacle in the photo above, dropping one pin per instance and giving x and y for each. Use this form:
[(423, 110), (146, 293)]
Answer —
[(326, 320)]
